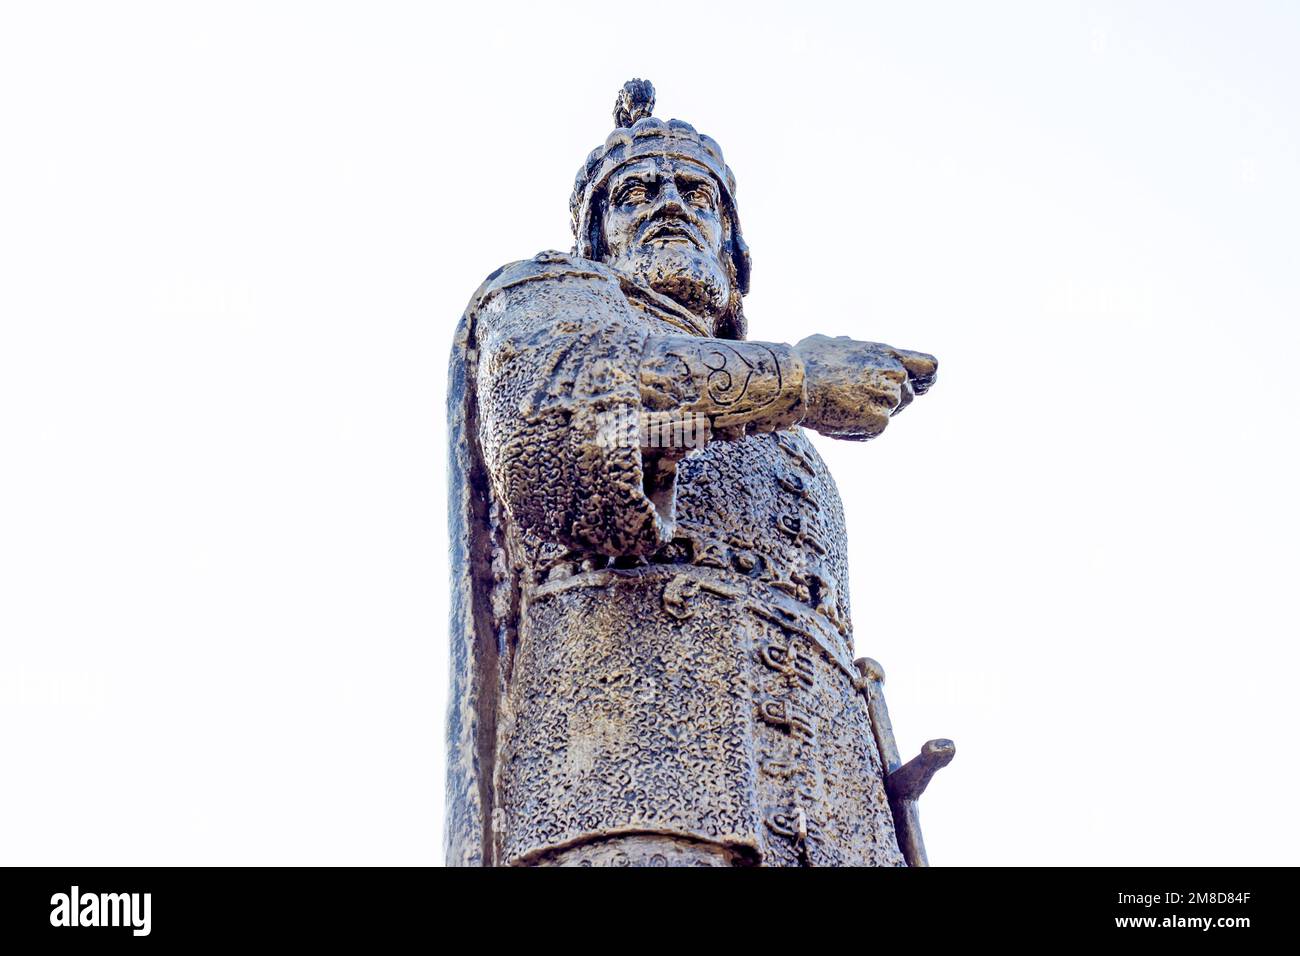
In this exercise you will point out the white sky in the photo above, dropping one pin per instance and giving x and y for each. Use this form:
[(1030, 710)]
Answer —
[(234, 241)]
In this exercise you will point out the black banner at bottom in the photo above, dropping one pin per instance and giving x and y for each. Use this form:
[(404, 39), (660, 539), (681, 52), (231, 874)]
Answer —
[(583, 909)]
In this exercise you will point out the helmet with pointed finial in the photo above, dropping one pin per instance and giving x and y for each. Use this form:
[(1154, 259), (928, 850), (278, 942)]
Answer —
[(639, 135)]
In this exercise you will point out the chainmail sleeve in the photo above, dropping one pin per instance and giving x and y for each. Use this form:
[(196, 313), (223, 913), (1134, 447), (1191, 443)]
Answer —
[(558, 353)]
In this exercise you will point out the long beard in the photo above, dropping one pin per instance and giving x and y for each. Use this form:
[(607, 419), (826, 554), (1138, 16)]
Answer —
[(689, 277)]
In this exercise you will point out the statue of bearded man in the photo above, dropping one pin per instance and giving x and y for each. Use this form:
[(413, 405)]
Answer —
[(652, 652)]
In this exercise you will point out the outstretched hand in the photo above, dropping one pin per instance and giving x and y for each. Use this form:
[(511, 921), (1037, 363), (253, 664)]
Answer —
[(854, 387)]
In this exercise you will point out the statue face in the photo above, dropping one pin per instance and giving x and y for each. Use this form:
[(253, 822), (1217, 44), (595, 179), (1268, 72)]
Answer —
[(664, 224)]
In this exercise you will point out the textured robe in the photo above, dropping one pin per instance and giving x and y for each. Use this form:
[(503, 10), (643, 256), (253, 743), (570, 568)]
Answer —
[(641, 674)]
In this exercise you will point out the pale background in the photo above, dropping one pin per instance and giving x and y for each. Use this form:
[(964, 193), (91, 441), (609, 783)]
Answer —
[(235, 238)]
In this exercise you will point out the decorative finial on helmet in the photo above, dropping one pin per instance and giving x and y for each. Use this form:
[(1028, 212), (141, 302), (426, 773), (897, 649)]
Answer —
[(636, 100)]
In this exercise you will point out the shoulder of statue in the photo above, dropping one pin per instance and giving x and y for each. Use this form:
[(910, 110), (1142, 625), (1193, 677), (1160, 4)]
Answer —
[(552, 266), (545, 266)]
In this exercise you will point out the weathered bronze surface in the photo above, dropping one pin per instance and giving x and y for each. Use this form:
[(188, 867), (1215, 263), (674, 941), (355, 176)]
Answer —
[(652, 652)]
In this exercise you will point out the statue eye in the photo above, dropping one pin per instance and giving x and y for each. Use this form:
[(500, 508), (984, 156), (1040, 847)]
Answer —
[(701, 197), (633, 194)]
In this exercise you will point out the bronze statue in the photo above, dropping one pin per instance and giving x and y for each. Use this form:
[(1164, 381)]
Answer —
[(652, 654)]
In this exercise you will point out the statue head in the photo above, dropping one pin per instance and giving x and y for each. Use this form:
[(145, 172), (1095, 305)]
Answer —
[(658, 203)]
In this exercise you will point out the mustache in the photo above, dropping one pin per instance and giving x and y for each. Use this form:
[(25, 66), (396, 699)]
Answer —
[(671, 226)]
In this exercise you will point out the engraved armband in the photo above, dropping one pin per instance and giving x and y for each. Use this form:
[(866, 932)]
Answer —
[(737, 387)]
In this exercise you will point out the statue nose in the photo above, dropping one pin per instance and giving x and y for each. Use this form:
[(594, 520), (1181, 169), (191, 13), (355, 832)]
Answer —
[(669, 199)]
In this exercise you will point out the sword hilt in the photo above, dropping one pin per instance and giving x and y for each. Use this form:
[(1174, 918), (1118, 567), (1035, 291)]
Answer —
[(904, 782), (910, 780)]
